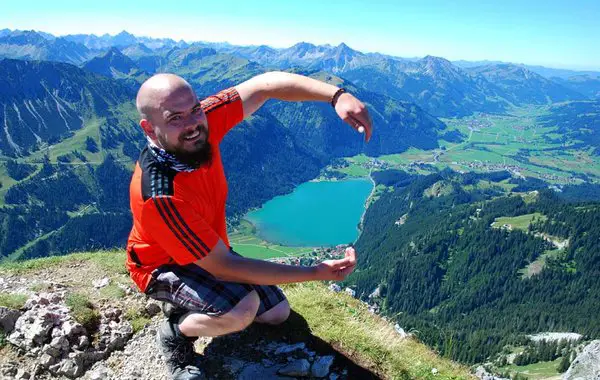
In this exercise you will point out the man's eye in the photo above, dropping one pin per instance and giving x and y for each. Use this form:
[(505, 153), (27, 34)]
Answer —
[(175, 118), (197, 110)]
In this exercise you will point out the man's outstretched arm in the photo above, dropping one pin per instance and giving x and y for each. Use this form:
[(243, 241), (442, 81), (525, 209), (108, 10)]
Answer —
[(292, 87), (228, 267)]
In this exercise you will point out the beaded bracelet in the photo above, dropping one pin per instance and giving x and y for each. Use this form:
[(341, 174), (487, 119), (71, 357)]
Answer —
[(335, 96)]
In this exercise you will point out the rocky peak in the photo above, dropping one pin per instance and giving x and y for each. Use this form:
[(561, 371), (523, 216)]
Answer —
[(25, 37), (124, 39)]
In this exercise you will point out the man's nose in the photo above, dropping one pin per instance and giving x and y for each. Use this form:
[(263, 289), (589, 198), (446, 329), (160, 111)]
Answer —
[(192, 120)]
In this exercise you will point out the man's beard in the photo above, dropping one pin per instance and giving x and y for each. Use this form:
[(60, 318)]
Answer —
[(197, 158), (201, 155)]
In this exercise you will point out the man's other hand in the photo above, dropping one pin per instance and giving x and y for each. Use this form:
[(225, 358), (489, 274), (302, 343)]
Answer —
[(354, 113), (337, 270)]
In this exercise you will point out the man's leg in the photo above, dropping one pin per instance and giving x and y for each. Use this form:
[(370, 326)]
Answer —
[(241, 316), (276, 315)]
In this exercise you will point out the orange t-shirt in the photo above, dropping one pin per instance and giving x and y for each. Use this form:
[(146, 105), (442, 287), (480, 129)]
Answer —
[(178, 216)]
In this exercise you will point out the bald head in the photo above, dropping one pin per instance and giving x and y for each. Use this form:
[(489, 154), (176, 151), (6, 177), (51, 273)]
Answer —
[(157, 90)]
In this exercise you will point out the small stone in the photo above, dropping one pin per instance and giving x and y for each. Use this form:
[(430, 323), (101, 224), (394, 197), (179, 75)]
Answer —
[(286, 349), (112, 314), (297, 368), (22, 374), (434, 371), (333, 376), (83, 342), (335, 288), (321, 366), (351, 292), (71, 368), (9, 369), (52, 351), (47, 360), (152, 308), (72, 329), (8, 318), (101, 283)]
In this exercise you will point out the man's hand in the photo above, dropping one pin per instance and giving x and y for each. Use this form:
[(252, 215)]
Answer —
[(354, 113), (337, 270)]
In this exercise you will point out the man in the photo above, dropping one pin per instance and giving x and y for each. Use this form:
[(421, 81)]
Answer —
[(178, 251)]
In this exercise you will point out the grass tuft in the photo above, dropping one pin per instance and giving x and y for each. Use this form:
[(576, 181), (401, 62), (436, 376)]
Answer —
[(83, 311), (138, 318), (112, 291), (12, 300)]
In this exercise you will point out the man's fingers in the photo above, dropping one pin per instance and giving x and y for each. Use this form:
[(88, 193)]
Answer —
[(339, 264), (351, 255), (356, 123)]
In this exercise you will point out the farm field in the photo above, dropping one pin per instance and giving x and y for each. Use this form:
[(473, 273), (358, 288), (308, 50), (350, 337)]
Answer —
[(244, 241), (520, 222), (516, 142)]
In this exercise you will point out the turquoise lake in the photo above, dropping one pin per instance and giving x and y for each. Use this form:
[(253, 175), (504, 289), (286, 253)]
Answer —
[(316, 214)]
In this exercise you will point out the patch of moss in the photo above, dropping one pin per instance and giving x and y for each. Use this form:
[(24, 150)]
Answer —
[(138, 318), (112, 291), (83, 311), (12, 300)]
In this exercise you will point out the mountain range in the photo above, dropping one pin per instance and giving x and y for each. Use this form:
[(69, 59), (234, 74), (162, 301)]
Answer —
[(69, 139)]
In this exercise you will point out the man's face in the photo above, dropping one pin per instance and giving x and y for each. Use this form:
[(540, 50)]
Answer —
[(180, 126)]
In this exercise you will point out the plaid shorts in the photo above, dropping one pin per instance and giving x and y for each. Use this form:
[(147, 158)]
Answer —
[(192, 288)]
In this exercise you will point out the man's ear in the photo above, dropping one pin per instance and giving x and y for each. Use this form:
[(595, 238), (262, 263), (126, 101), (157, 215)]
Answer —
[(148, 129)]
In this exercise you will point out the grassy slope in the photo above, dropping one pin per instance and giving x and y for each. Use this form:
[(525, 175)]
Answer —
[(338, 319)]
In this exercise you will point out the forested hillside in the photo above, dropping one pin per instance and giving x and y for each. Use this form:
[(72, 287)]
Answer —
[(473, 270)]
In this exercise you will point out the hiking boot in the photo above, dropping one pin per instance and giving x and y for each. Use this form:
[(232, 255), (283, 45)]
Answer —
[(178, 351)]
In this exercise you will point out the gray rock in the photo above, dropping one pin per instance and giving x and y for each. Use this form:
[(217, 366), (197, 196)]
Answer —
[(321, 366), (22, 374), (100, 373), (297, 368), (255, 371), (483, 374), (47, 360), (71, 368), (52, 351), (586, 365), (60, 342), (101, 283), (286, 349), (9, 369), (72, 329), (112, 314), (152, 308), (8, 318), (83, 342)]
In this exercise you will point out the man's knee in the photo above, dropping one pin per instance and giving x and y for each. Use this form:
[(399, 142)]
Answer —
[(242, 314), (277, 315)]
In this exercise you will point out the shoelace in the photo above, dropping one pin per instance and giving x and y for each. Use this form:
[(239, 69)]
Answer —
[(182, 351)]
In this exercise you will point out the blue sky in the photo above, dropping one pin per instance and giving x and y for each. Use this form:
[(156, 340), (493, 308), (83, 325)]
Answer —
[(552, 33)]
